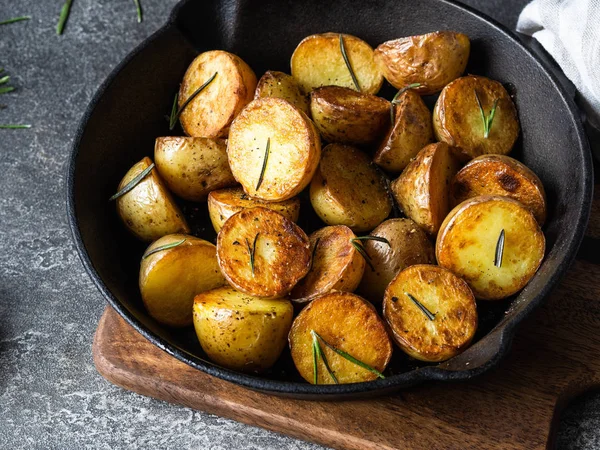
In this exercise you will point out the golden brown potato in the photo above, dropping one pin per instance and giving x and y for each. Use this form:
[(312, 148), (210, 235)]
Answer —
[(348, 323), (457, 117), (282, 85), (349, 117), (171, 278), (274, 131), (422, 189), (431, 313), (211, 112), (348, 190), (433, 60), (239, 331), (468, 245), (224, 203), (336, 264), (148, 210), (410, 132), (318, 61), (262, 253), (500, 175), (409, 245)]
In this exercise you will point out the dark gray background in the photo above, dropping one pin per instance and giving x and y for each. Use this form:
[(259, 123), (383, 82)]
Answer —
[(50, 394)]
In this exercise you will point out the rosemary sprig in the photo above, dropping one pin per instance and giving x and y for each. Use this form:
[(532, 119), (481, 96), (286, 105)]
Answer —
[(499, 249), (172, 119), (360, 249), (487, 120), (429, 314), (372, 238), (6, 89), (138, 8), (252, 251), (133, 183), (264, 165), (189, 99), (15, 19), (347, 61), (14, 127), (314, 252), (4, 79), (64, 16), (398, 94), (318, 353), (163, 247)]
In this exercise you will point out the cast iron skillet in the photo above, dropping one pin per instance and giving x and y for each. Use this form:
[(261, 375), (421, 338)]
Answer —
[(127, 114)]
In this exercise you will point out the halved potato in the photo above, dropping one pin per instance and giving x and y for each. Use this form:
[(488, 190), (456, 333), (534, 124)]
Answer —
[(348, 190), (318, 61), (294, 149), (431, 312), (171, 278), (211, 112), (432, 59), (457, 117), (468, 245), (500, 175), (409, 245), (282, 85), (348, 323), (262, 253), (224, 203), (349, 117), (149, 210), (422, 189), (239, 331)]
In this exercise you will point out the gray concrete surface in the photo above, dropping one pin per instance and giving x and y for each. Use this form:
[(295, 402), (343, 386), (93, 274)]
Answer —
[(51, 397)]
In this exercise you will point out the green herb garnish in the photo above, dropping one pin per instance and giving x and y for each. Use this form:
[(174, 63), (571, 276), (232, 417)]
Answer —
[(133, 183), (15, 19), (429, 314), (163, 247), (264, 165), (487, 120), (347, 61), (318, 353), (372, 238), (175, 116), (398, 94), (252, 251), (14, 127), (4, 79), (138, 8), (499, 250), (64, 15), (6, 89), (314, 252), (360, 249)]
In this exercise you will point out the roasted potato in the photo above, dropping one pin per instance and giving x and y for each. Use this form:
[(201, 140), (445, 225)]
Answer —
[(239, 331), (148, 210), (433, 60), (349, 117), (318, 61), (410, 132), (494, 243), (422, 189), (348, 323), (211, 112), (409, 245), (336, 264), (431, 312), (224, 203), (348, 190), (500, 175), (274, 149), (262, 253), (458, 121), (282, 85)]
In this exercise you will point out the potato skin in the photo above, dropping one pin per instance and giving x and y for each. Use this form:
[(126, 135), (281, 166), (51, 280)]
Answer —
[(170, 279), (467, 242), (409, 245), (348, 190), (348, 323), (239, 331), (282, 85), (211, 112), (432, 59), (295, 149), (318, 61), (148, 210), (224, 203), (443, 294), (500, 175), (457, 117)]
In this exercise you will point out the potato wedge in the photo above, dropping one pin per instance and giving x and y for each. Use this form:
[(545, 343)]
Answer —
[(431, 312), (409, 245), (318, 61), (262, 253), (171, 278), (149, 210), (422, 189), (469, 239), (348, 323), (211, 112), (500, 175), (273, 133), (336, 264), (457, 117), (433, 60), (410, 132), (239, 331), (348, 190), (349, 117), (282, 85), (224, 203)]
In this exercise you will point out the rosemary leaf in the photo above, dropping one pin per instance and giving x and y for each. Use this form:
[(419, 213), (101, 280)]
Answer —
[(172, 119), (252, 251), (487, 120), (499, 249), (320, 354), (64, 16), (264, 165), (4, 79), (133, 183), (6, 89), (189, 99), (372, 238), (491, 118), (14, 127), (163, 247), (15, 19), (398, 94), (315, 361), (138, 8), (314, 252), (421, 306), (347, 61), (360, 249)]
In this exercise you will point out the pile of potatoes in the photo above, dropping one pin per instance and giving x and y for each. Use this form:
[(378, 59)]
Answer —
[(470, 227)]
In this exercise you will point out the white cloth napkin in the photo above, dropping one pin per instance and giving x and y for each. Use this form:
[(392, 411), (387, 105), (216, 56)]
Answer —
[(570, 31)]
